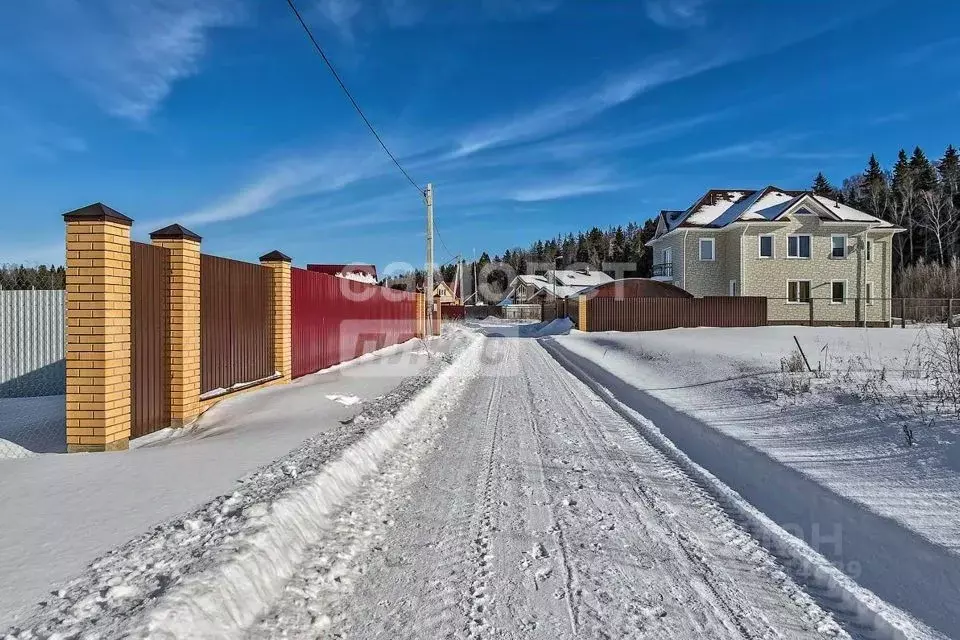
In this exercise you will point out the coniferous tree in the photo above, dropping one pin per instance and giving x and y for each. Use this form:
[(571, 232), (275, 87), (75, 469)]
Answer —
[(925, 176), (822, 187)]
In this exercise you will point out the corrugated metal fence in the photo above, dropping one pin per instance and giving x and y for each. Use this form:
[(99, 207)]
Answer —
[(651, 314), (335, 320), (236, 325), (32, 343), (149, 372)]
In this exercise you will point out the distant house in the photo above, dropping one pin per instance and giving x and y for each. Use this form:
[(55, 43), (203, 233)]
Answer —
[(359, 272), (792, 247), (554, 284), (443, 293)]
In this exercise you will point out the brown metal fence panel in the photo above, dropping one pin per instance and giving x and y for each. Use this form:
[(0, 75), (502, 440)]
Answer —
[(148, 356), (236, 332), (653, 314)]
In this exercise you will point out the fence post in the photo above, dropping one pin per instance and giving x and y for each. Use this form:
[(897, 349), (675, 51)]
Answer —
[(810, 303), (98, 411), (183, 321), (950, 313), (280, 312), (582, 313), (420, 311), (903, 313)]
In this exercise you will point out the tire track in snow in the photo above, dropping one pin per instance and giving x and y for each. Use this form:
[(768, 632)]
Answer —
[(475, 602), (724, 596), (860, 613)]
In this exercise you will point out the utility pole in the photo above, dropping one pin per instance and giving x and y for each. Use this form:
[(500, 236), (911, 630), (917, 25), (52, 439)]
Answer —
[(428, 287)]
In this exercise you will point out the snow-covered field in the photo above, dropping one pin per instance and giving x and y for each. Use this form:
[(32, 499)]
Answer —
[(826, 457), (58, 513)]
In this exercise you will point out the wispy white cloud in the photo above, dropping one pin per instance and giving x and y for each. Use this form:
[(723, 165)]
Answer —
[(125, 54), (545, 187), (348, 16), (586, 104), (776, 145), (341, 14), (287, 179), (561, 190), (676, 14), (22, 131)]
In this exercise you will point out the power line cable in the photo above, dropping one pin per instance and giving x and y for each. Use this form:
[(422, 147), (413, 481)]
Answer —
[(350, 97)]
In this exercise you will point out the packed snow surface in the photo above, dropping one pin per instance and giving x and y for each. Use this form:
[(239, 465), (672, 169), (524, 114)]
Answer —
[(498, 491), (58, 513), (824, 454)]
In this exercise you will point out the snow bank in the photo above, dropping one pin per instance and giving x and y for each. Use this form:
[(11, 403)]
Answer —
[(11, 450), (38, 425), (228, 597)]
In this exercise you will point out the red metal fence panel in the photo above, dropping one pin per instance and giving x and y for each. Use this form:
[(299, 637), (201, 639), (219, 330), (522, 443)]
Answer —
[(452, 312), (652, 314), (336, 319), (236, 333), (148, 344)]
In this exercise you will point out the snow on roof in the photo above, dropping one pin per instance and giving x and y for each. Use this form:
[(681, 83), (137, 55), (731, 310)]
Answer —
[(720, 207), (849, 214), (532, 280), (711, 206), (560, 291), (357, 276), (585, 278)]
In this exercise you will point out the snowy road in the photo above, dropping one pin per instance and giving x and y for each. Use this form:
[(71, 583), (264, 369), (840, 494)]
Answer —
[(523, 506)]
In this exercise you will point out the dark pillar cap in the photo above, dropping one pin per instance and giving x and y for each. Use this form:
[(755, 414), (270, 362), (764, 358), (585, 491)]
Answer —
[(174, 232), (97, 212), (274, 256)]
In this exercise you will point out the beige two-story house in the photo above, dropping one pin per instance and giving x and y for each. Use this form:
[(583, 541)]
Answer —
[(801, 251)]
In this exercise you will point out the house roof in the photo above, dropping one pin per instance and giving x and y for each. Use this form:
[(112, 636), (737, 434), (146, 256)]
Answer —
[(336, 269), (560, 291), (718, 208), (635, 288), (584, 278)]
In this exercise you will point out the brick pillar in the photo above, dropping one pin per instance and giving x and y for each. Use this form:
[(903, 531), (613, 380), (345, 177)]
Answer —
[(420, 315), (582, 313), (183, 321), (98, 329), (280, 310)]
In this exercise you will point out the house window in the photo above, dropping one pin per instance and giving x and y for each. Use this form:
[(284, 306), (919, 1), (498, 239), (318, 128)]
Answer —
[(668, 255), (707, 249), (838, 292), (766, 246), (868, 293), (869, 250), (838, 246), (798, 291), (798, 246), (733, 288)]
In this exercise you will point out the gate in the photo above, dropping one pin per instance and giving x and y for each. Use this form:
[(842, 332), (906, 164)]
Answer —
[(236, 323), (148, 345)]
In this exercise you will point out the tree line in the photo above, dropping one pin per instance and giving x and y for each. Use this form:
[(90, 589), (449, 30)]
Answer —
[(918, 194), (21, 277)]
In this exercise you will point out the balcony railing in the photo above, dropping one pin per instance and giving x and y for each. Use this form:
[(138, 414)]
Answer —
[(664, 270)]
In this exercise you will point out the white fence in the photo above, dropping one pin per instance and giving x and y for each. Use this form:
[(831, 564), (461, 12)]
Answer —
[(32, 343)]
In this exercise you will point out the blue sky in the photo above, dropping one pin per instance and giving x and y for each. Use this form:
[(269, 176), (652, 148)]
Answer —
[(531, 117)]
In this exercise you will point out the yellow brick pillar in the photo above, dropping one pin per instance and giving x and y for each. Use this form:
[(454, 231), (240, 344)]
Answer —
[(280, 311), (421, 315), (582, 313), (98, 329), (183, 321)]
